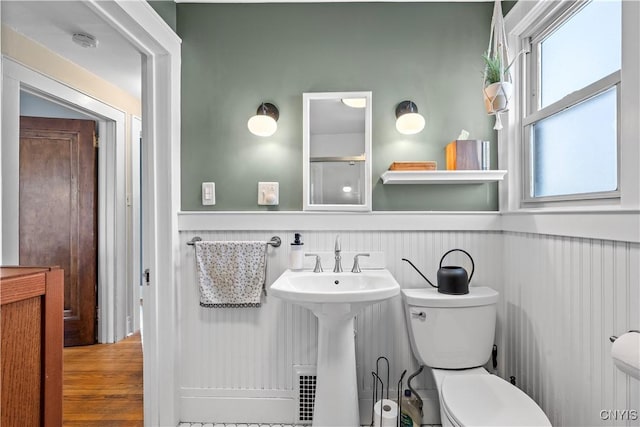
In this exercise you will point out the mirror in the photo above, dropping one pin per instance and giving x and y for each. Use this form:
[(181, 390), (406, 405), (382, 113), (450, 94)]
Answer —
[(337, 151)]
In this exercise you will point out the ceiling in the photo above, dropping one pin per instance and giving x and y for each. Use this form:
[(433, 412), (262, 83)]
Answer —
[(52, 23), (328, 1)]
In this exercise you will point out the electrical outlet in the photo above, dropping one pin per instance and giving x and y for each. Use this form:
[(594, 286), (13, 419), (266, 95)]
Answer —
[(208, 193), (268, 193)]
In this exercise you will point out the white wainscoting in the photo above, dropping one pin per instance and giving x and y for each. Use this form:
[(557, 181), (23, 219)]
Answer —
[(563, 298), (234, 362)]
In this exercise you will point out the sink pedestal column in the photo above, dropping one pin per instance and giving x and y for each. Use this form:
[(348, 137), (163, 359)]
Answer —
[(336, 402), (335, 298)]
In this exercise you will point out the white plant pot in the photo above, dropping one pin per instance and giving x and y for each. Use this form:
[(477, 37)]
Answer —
[(497, 97)]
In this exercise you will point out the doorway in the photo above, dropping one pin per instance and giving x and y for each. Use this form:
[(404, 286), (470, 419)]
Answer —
[(59, 141), (160, 47), (111, 278)]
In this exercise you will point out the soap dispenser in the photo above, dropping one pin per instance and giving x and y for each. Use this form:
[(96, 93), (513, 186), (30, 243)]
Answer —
[(296, 255)]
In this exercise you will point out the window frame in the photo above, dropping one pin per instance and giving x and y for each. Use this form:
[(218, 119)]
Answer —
[(534, 113), (605, 219)]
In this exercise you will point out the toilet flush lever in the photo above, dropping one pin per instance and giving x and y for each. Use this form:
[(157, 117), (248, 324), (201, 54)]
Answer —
[(420, 315)]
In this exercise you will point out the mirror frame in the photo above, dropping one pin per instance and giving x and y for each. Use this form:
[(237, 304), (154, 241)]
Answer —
[(307, 97)]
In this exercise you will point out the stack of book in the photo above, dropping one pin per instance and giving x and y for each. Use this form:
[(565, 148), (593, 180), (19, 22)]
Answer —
[(414, 166), (467, 154)]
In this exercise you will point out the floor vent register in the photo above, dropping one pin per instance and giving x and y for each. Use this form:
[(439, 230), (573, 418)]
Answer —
[(306, 393)]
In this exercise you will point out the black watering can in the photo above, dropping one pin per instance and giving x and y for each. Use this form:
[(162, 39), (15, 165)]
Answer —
[(452, 279)]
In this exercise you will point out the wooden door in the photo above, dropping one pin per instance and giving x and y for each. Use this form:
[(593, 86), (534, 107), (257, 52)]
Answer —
[(58, 213)]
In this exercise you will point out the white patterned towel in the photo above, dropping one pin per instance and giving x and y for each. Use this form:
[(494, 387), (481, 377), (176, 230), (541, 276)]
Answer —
[(231, 274)]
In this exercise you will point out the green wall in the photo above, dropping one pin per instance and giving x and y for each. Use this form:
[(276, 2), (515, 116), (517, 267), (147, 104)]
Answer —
[(166, 9), (235, 56)]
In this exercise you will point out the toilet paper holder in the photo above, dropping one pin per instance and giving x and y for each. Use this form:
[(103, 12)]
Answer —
[(384, 394), (612, 338), (377, 379)]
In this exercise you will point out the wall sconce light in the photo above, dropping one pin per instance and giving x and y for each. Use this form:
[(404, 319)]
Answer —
[(264, 123), (408, 120)]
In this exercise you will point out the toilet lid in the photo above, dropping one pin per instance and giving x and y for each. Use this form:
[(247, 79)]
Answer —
[(488, 400)]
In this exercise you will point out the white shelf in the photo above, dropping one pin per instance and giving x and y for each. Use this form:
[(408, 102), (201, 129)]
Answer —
[(443, 177)]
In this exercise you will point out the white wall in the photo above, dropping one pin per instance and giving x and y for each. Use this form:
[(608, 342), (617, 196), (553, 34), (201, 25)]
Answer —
[(34, 106), (237, 365), (563, 298)]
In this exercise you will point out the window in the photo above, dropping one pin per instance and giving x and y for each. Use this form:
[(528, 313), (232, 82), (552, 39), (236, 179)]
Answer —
[(571, 125)]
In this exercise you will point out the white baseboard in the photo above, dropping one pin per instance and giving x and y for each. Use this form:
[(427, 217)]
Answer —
[(246, 410), (270, 406)]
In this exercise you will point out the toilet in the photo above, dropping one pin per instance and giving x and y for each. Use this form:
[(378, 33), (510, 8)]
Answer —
[(453, 335)]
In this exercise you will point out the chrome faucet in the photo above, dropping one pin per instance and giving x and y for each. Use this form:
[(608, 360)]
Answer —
[(318, 266), (356, 264), (337, 268)]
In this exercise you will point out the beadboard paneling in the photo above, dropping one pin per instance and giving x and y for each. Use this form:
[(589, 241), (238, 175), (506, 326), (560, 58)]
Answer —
[(231, 351), (563, 298)]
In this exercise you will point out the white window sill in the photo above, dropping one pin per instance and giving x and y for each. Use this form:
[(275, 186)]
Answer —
[(591, 223)]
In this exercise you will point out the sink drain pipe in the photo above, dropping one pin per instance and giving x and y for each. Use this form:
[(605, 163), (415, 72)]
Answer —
[(415, 374)]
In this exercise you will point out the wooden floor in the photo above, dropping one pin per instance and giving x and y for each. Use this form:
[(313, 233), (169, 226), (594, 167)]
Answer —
[(103, 385)]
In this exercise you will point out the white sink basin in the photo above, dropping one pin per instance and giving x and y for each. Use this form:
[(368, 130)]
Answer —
[(320, 288), (335, 298)]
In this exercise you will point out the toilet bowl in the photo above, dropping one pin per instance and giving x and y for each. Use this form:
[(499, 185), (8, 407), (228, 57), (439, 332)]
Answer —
[(453, 334), (473, 397)]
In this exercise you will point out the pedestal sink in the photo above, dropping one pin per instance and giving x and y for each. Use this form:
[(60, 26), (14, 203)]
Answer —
[(335, 298)]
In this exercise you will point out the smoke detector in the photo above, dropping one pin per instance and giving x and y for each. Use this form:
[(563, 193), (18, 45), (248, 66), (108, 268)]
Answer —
[(85, 40)]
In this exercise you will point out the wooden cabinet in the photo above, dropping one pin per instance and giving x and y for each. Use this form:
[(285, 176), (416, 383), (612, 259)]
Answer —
[(31, 335)]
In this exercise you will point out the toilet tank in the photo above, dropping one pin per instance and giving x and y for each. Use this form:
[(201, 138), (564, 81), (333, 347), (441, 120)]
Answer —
[(451, 331)]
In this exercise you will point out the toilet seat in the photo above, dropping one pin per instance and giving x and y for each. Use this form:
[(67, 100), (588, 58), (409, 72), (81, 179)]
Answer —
[(488, 400)]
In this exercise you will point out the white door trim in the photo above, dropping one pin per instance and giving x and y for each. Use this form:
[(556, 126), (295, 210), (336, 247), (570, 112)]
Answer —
[(136, 231), (112, 233), (160, 48)]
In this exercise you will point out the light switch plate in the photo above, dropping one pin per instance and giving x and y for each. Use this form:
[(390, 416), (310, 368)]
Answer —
[(268, 193), (208, 193)]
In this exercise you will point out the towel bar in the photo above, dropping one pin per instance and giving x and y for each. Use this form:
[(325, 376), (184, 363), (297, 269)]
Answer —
[(275, 241)]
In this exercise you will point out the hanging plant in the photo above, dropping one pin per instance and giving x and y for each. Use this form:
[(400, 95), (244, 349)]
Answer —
[(498, 86), (497, 82)]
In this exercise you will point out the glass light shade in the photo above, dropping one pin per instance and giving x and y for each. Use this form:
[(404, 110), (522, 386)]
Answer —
[(410, 123), (355, 102), (262, 125)]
